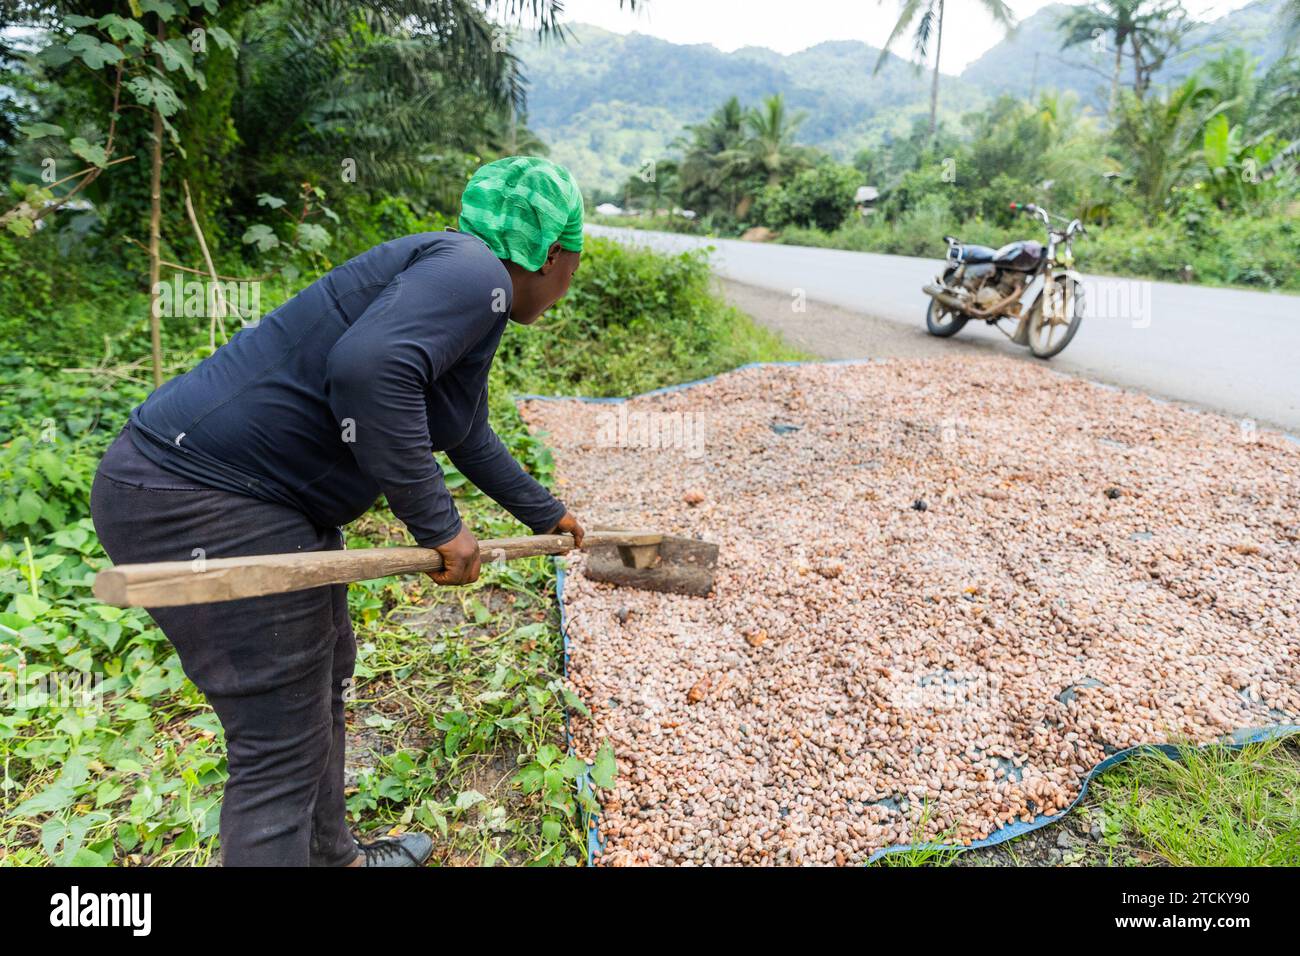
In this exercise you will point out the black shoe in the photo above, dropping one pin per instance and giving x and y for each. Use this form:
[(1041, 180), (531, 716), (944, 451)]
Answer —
[(405, 849)]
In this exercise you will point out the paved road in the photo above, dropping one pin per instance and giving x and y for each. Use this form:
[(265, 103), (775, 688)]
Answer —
[(1224, 349)]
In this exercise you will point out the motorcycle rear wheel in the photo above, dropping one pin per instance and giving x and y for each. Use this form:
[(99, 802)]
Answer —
[(943, 321), (1052, 325)]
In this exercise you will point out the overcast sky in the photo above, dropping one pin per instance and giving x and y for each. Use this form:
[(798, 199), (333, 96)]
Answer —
[(792, 25)]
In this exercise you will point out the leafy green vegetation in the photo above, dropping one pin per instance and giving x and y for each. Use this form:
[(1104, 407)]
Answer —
[(1192, 182), (818, 198)]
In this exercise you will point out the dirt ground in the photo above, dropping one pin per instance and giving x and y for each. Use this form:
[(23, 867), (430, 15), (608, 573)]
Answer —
[(829, 332)]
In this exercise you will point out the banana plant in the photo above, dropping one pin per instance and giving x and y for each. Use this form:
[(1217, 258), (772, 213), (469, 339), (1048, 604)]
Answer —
[(1238, 170)]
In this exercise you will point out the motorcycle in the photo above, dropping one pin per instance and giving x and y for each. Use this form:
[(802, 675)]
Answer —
[(1032, 285)]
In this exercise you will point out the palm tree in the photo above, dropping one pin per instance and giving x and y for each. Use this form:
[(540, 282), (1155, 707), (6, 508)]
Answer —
[(661, 185), (771, 146), (1149, 29), (318, 80), (711, 169), (1232, 77), (928, 17), (417, 92)]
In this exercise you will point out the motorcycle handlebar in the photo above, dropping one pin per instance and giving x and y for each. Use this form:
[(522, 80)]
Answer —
[(1074, 228), (1033, 209)]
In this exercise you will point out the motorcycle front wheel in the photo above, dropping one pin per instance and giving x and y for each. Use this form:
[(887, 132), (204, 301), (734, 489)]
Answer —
[(1055, 318), (943, 321)]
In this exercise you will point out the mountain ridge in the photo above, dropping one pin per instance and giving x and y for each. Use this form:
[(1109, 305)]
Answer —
[(608, 102)]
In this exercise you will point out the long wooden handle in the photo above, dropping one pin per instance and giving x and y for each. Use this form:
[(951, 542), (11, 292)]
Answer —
[(171, 583)]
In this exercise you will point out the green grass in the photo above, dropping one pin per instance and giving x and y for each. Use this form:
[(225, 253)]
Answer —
[(660, 223), (931, 852), (919, 856), (1212, 807)]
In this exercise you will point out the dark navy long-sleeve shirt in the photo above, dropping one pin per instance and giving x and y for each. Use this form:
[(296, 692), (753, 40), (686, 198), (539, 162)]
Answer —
[(344, 392)]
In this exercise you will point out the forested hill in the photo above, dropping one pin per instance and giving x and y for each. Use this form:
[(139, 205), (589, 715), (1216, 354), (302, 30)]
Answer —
[(607, 102), (1032, 59)]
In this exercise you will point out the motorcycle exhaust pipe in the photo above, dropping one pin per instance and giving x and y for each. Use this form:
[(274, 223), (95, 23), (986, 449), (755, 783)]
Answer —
[(952, 302), (943, 298)]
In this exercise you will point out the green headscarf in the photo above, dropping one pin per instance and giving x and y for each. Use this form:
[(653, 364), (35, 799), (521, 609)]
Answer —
[(520, 205)]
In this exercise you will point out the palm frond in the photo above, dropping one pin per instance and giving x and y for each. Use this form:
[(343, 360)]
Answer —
[(906, 15), (921, 37)]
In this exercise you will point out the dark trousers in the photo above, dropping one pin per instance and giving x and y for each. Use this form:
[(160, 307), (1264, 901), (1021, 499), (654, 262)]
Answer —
[(274, 668)]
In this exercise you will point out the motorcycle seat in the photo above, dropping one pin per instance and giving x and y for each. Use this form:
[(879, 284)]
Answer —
[(977, 254), (1022, 256)]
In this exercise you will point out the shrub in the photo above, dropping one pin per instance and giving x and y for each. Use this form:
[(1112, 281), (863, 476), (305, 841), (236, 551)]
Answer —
[(634, 320), (56, 304), (821, 197)]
